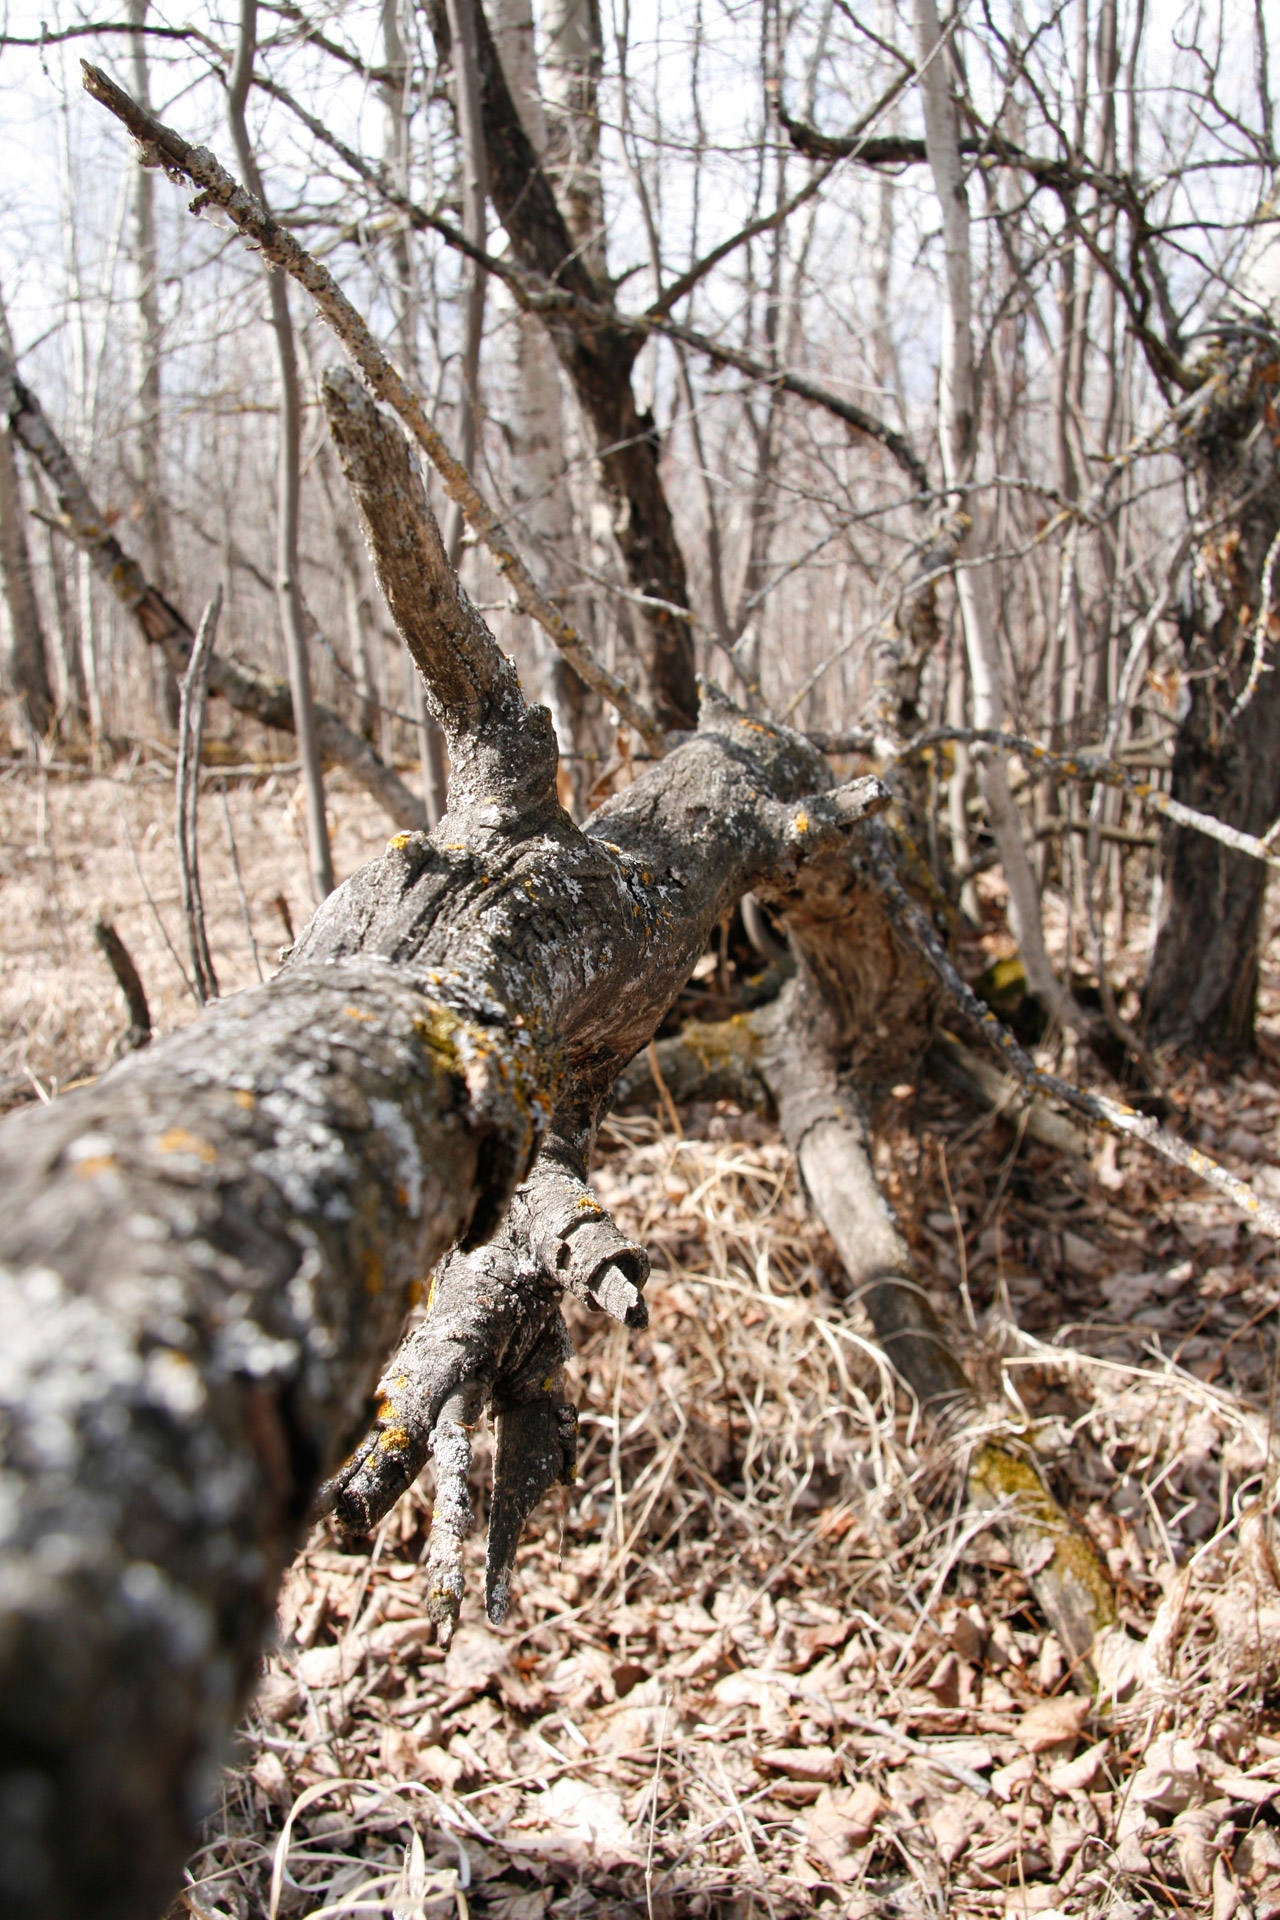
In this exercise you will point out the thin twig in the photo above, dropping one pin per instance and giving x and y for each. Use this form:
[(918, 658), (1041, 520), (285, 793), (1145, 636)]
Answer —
[(235, 868), (192, 690), (1111, 1115)]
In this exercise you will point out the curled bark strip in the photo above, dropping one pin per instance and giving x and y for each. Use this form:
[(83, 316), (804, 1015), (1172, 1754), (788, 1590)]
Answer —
[(192, 689)]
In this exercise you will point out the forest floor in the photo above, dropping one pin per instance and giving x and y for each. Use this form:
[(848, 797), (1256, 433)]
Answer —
[(761, 1659)]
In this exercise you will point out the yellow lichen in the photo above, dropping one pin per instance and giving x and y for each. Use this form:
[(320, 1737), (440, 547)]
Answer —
[(180, 1140)]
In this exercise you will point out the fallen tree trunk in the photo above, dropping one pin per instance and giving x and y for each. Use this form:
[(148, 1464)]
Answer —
[(207, 1255)]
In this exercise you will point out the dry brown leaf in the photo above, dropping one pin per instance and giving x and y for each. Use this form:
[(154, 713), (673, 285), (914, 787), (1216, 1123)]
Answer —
[(1078, 1775), (1053, 1723), (800, 1763), (840, 1824), (474, 1659)]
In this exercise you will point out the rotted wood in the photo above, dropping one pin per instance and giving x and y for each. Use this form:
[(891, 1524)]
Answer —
[(207, 1256)]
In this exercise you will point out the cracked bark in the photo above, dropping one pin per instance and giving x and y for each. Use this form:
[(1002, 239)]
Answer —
[(207, 1256)]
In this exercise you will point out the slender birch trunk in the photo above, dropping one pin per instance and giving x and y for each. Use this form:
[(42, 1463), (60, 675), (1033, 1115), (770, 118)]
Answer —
[(156, 529), (395, 151), (289, 482), (24, 665), (957, 429), (535, 424)]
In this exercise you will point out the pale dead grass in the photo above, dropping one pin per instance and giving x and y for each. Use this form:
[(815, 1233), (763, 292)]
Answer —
[(760, 1659)]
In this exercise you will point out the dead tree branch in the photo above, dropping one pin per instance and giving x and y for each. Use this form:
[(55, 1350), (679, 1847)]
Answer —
[(207, 1256), (129, 981)]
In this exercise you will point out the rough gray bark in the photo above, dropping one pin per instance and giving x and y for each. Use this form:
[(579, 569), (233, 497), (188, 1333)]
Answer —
[(1201, 990), (24, 664), (207, 1255), (260, 696)]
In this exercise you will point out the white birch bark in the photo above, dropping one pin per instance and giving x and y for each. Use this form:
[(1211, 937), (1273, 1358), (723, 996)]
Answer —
[(957, 434), (289, 491), (405, 296)]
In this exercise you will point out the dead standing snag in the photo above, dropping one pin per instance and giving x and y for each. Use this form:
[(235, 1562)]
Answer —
[(206, 1257)]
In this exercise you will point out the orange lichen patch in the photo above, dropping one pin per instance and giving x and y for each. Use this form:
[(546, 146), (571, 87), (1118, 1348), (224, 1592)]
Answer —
[(182, 1140), (358, 1013), (243, 1098), (96, 1163), (394, 1439), (397, 841), (802, 823)]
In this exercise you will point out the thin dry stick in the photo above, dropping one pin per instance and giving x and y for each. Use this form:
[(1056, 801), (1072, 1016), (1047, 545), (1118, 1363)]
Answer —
[(1094, 766), (162, 146), (155, 911), (664, 1092), (235, 868), (193, 688), (1111, 1115)]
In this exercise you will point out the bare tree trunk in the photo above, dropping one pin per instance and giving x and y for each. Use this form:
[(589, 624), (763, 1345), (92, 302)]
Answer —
[(958, 436), (535, 422), (24, 663), (289, 481), (572, 60), (1202, 984), (598, 358), (396, 155), (148, 339)]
